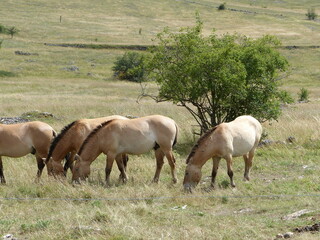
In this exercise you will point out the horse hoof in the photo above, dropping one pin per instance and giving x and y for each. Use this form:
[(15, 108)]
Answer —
[(155, 180)]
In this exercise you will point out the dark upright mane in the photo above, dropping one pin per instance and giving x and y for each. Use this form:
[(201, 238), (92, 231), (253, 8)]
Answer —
[(200, 140), (93, 132), (58, 138)]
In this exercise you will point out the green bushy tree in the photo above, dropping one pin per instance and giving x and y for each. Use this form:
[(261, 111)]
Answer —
[(218, 78), (130, 67)]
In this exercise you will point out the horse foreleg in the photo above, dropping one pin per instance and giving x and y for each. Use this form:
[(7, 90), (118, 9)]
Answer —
[(159, 158), (230, 172), (109, 163), (172, 163), (248, 164), (122, 168), (69, 162), (125, 160), (216, 161), (2, 179)]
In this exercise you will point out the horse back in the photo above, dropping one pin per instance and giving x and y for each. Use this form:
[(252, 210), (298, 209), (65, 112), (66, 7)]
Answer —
[(164, 129), (83, 127), (17, 140), (244, 134), (139, 135)]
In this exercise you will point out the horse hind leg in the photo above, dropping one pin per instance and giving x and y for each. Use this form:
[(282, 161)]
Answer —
[(2, 179), (172, 163), (159, 159), (125, 159), (248, 164), (122, 164)]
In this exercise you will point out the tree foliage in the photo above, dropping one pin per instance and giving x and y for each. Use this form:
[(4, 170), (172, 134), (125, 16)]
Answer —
[(218, 78), (130, 67)]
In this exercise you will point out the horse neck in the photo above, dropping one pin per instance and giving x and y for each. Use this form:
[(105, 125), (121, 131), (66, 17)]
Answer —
[(201, 154), (62, 148), (91, 150)]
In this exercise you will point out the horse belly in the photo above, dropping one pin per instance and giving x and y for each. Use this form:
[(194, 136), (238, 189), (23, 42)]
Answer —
[(138, 147), (12, 146), (15, 151), (242, 147)]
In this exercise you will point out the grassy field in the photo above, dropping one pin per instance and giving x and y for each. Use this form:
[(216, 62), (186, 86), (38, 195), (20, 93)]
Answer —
[(285, 176)]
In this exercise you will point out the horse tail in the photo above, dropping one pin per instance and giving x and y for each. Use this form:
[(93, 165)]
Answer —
[(176, 136), (54, 133)]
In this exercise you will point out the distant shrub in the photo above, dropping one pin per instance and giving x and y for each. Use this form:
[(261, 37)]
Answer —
[(222, 6), (2, 29), (8, 30), (311, 14), (12, 31), (130, 67), (286, 97), (303, 95)]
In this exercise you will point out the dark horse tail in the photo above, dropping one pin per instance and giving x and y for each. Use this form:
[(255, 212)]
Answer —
[(176, 137)]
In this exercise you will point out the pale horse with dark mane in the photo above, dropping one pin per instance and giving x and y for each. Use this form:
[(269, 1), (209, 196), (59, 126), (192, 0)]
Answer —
[(135, 136), (227, 140), (68, 143), (18, 140)]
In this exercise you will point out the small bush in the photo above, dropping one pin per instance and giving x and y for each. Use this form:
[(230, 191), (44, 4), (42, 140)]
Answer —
[(303, 95), (222, 6), (311, 14), (130, 67), (8, 30), (12, 31), (2, 29)]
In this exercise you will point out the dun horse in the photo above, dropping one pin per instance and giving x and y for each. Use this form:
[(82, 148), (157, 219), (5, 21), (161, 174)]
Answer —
[(136, 136), (227, 140), (17, 140), (68, 141)]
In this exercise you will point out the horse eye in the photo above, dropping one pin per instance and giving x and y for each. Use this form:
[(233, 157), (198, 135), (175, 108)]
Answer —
[(187, 173)]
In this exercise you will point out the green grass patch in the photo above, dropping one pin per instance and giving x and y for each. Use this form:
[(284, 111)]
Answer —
[(6, 74)]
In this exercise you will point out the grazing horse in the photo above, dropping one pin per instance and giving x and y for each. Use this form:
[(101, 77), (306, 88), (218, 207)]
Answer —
[(69, 140), (227, 140), (17, 140), (136, 136)]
